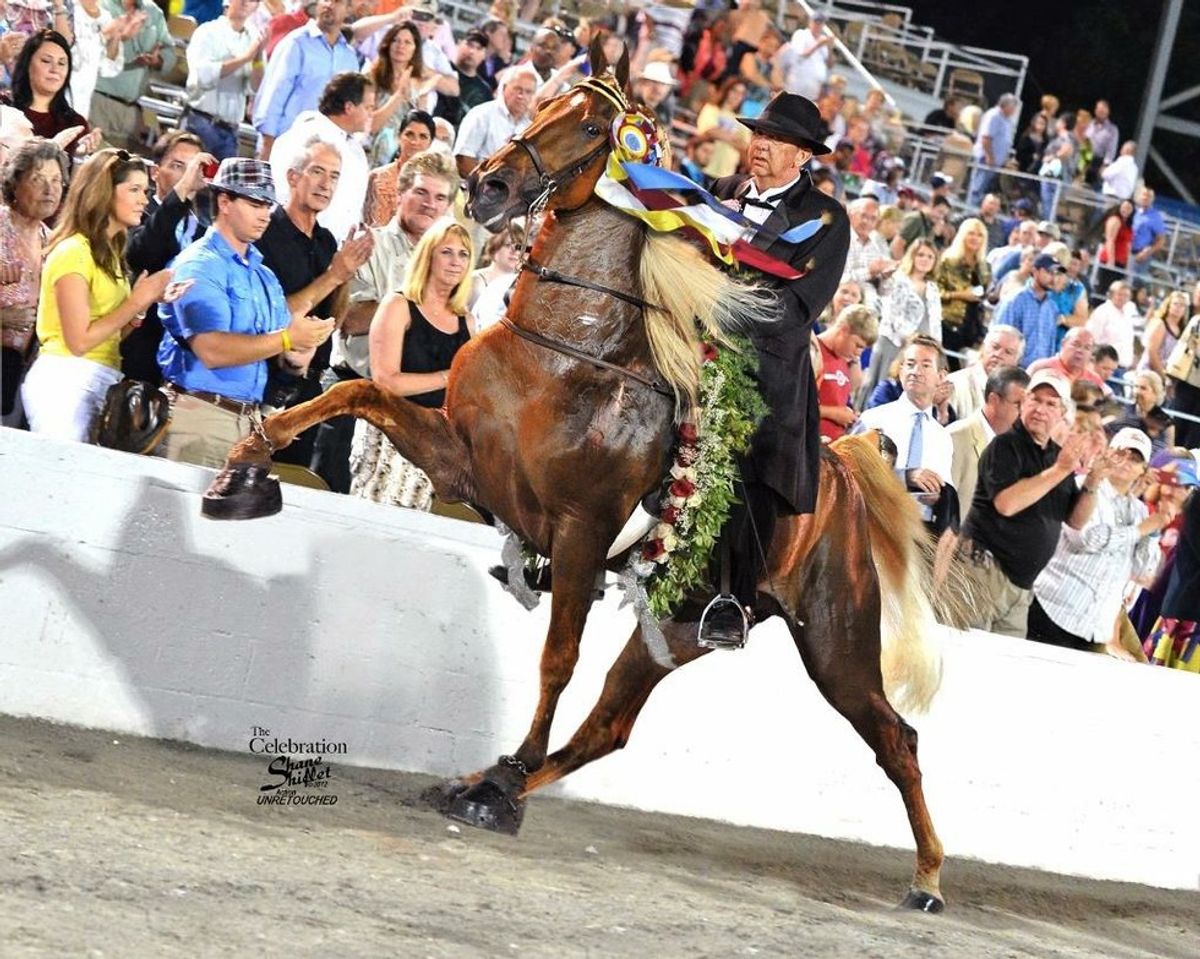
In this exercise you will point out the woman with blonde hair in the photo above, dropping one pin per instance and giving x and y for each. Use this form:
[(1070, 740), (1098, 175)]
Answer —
[(415, 334), (1147, 413), (85, 304), (1163, 330), (912, 305), (963, 277)]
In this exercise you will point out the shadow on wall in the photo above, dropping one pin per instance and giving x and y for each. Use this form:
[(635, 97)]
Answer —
[(312, 624)]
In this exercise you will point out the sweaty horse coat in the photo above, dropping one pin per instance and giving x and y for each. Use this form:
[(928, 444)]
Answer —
[(786, 451)]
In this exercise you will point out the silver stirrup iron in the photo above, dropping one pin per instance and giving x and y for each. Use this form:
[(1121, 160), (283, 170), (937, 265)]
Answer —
[(720, 601)]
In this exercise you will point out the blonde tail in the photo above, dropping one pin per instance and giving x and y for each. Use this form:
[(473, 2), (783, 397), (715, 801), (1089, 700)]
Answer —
[(910, 658)]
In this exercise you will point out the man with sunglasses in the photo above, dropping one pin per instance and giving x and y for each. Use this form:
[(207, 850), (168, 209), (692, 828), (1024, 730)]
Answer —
[(231, 321)]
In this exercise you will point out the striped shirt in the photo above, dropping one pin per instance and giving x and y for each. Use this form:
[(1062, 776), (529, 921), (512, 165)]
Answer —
[(1081, 587)]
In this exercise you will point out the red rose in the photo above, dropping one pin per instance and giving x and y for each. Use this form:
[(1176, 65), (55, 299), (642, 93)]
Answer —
[(688, 432), (682, 488), (653, 549), (709, 353), (670, 515)]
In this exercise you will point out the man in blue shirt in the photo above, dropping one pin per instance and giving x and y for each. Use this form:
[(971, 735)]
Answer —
[(997, 129), (234, 317), (299, 67), (1034, 311), (1149, 231)]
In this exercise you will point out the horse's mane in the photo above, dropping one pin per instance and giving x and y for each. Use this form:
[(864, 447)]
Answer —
[(693, 300)]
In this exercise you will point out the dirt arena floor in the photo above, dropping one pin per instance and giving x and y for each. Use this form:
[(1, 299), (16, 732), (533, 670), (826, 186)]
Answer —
[(121, 847)]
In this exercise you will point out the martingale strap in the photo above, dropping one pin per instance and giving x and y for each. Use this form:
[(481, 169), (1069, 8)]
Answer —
[(575, 353)]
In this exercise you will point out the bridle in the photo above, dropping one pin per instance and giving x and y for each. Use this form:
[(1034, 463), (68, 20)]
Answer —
[(549, 183)]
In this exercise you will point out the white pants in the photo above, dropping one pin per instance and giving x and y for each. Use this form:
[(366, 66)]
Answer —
[(63, 394)]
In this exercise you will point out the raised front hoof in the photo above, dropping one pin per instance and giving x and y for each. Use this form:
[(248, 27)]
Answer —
[(487, 806), (242, 491), (922, 902)]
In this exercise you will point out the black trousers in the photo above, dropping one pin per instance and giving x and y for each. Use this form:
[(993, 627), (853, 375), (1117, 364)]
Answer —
[(1042, 629), (746, 540)]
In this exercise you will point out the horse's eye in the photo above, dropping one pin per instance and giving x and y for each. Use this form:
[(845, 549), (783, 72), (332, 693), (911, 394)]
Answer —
[(591, 128)]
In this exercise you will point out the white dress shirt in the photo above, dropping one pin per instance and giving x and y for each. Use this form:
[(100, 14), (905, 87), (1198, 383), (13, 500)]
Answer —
[(895, 420), (207, 91), (486, 128), (1113, 327), (345, 210), (758, 214)]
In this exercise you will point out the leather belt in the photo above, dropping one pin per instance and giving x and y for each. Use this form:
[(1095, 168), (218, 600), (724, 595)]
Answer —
[(216, 399), (128, 103), (215, 121)]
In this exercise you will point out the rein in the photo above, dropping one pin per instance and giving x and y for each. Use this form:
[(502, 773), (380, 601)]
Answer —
[(577, 354)]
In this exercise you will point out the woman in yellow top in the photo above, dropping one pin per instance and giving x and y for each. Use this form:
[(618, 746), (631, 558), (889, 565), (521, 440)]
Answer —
[(719, 120), (85, 303)]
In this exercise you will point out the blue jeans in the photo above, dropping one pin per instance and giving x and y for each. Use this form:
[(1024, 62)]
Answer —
[(220, 141), (982, 182)]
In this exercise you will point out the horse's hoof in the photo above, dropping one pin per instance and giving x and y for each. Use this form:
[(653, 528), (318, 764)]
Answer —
[(242, 491), (440, 795), (487, 806), (922, 902)]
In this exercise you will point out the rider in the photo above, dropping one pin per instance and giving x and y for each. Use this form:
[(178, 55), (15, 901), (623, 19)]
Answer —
[(780, 471)]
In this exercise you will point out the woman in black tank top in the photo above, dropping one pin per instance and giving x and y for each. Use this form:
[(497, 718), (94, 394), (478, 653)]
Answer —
[(414, 336)]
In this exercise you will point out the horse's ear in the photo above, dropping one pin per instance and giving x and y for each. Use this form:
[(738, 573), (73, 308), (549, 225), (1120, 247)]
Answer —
[(622, 70), (596, 55)]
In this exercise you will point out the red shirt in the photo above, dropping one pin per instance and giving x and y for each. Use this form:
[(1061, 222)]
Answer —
[(834, 388), (280, 25)]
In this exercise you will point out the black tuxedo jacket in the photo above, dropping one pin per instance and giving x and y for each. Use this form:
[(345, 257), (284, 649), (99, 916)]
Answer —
[(785, 454)]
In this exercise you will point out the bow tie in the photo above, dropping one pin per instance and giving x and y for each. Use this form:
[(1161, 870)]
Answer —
[(755, 201)]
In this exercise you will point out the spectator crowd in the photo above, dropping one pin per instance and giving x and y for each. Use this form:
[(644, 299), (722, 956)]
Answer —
[(1041, 395)]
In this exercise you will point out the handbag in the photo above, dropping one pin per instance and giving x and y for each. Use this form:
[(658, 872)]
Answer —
[(1184, 362), (134, 418)]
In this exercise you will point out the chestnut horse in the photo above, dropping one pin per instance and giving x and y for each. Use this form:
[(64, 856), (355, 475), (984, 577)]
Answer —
[(557, 423)]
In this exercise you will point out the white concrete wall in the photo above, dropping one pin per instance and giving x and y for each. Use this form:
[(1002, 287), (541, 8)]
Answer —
[(123, 609)]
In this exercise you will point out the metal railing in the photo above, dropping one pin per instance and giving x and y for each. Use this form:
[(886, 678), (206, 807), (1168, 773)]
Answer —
[(884, 38)]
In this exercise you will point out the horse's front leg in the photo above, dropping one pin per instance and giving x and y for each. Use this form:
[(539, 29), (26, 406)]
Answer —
[(493, 798), (243, 489)]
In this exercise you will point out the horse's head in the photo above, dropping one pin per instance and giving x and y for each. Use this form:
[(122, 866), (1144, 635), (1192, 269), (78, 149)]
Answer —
[(561, 153)]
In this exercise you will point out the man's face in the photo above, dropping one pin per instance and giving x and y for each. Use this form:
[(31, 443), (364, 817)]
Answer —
[(544, 50), (864, 218), (421, 204), (1004, 410), (1043, 278), (1041, 412), (170, 170), (1120, 297), (518, 94), (920, 375), (246, 219), (652, 93), (1003, 349), (1027, 233), (1105, 368), (703, 153), (1076, 349), (470, 55), (241, 10), (1145, 197), (1101, 110), (990, 206), (314, 185), (331, 14), (774, 162)]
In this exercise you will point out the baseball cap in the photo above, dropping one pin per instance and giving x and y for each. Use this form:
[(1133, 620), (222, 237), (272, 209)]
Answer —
[(657, 72), (1131, 438), (1025, 204), (1172, 470), (940, 179), (906, 191), (1045, 261), (1055, 382), (1049, 229), (427, 7)]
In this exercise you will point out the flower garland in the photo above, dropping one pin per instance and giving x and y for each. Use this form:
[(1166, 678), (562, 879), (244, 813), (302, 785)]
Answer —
[(674, 557)]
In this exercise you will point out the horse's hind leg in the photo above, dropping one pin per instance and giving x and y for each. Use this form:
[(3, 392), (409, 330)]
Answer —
[(840, 648), (630, 681), (243, 491)]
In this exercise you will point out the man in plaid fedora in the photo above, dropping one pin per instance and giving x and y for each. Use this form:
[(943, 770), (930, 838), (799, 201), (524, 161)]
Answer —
[(233, 319)]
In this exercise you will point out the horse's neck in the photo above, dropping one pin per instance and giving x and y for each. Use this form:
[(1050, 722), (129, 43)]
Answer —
[(598, 244)]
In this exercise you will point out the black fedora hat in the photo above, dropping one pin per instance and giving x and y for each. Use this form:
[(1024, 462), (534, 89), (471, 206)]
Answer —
[(790, 116)]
